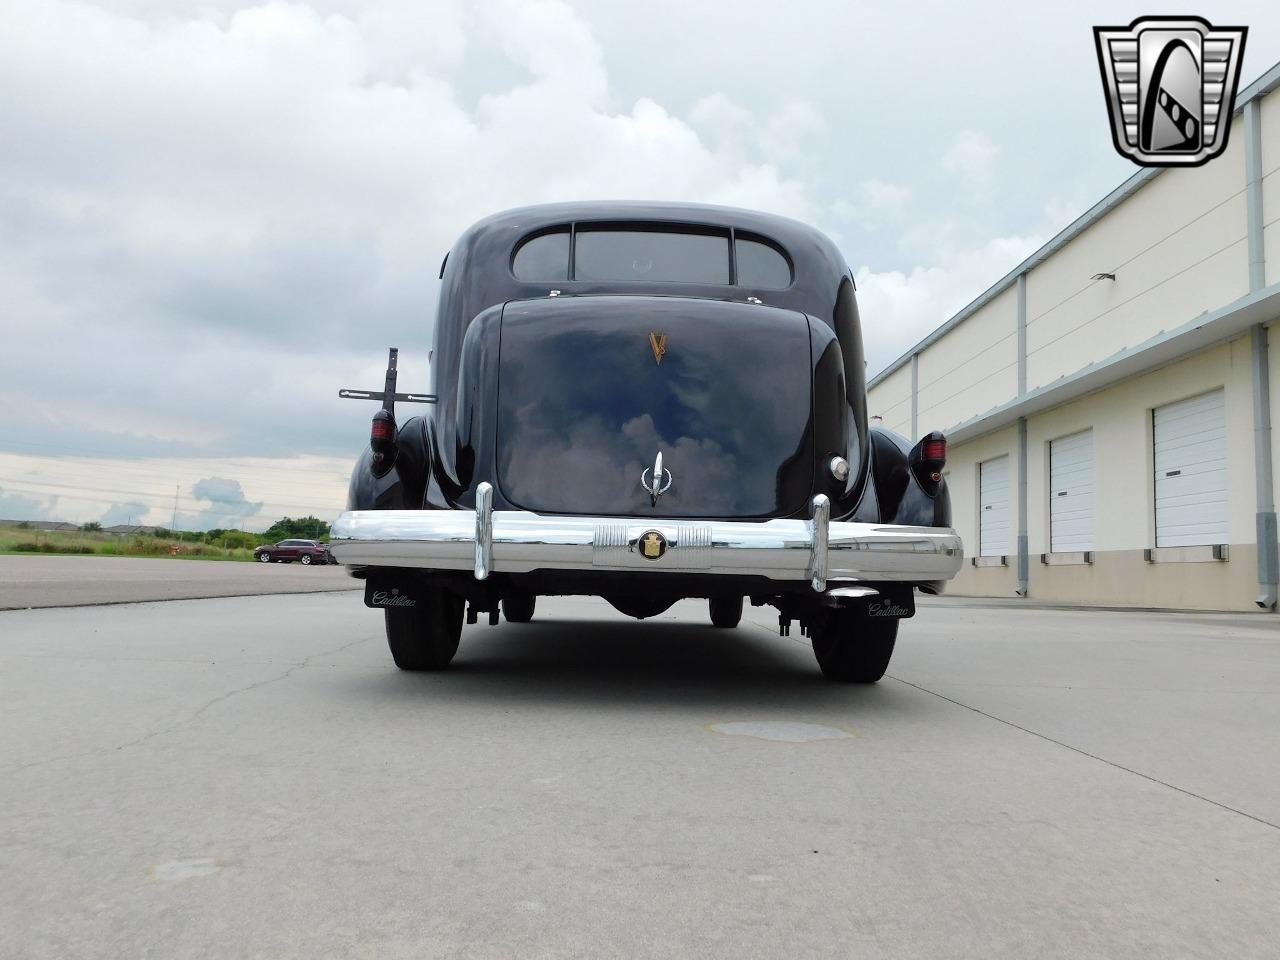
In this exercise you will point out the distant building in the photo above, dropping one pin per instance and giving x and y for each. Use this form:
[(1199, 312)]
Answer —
[(127, 528), (40, 524)]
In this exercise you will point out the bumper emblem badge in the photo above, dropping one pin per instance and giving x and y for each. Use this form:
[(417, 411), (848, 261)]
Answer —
[(652, 545), (659, 484), (658, 343)]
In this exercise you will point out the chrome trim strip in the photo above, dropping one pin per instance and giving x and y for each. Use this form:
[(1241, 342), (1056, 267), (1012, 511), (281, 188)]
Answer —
[(484, 530), (513, 541), (818, 552)]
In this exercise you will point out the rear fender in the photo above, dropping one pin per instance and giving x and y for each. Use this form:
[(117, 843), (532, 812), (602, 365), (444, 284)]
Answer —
[(898, 497), (401, 487)]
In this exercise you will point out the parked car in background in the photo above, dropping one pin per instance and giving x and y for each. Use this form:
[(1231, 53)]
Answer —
[(305, 552)]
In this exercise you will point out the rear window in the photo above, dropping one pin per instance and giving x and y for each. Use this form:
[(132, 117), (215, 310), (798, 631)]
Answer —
[(544, 257), (761, 264), (652, 255), (641, 253)]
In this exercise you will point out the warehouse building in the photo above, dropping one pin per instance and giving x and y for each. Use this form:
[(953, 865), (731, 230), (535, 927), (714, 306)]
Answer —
[(1108, 402)]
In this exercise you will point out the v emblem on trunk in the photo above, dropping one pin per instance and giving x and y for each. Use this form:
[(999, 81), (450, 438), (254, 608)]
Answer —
[(658, 341)]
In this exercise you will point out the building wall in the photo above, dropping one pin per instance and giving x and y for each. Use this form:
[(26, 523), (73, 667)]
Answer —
[(1178, 247), (893, 401), (973, 368), (1120, 418)]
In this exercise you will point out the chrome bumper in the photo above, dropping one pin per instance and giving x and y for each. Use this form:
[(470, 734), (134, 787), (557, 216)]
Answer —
[(485, 541)]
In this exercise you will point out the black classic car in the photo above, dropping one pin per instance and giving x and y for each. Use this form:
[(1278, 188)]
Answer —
[(646, 402)]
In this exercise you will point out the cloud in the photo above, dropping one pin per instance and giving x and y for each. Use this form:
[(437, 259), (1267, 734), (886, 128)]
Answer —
[(132, 512), (228, 506), (874, 203), (898, 308), (220, 209), (971, 155), (17, 506)]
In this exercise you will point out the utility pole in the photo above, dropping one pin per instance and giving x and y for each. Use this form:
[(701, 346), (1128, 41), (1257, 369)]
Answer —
[(174, 526)]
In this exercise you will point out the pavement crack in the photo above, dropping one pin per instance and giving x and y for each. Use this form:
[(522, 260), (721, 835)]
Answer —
[(1092, 756), (187, 721)]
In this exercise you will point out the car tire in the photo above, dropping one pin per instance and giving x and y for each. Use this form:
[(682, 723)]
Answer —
[(726, 612), (306, 559), (853, 648), (518, 607), (425, 637), (264, 558)]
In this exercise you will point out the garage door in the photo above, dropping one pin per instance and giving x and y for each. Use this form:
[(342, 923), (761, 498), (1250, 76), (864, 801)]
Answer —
[(993, 498), (1191, 471), (1071, 500)]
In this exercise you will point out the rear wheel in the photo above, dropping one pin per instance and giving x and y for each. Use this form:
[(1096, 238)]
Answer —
[(425, 637), (854, 648), (518, 607), (725, 611)]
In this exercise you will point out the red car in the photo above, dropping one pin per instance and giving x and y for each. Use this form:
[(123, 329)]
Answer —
[(305, 552)]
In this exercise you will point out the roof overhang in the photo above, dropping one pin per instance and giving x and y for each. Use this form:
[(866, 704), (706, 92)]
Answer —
[(1206, 330)]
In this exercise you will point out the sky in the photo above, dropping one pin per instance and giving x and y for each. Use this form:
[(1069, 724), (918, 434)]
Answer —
[(213, 214)]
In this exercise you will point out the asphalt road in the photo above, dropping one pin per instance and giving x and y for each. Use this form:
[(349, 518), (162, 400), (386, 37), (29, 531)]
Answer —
[(73, 581), (251, 777)]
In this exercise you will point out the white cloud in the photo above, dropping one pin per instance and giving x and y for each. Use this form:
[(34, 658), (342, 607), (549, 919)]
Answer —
[(18, 506), (971, 155)]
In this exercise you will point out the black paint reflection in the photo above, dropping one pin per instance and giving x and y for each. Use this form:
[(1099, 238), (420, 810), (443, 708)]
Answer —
[(583, 408)]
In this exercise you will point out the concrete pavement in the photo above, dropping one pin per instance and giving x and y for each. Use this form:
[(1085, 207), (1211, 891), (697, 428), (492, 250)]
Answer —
[(252, 777), (37, 580)]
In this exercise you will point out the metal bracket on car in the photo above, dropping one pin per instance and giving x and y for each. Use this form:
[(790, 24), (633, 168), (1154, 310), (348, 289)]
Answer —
[(821, 505), (484, 530), (388, 396)]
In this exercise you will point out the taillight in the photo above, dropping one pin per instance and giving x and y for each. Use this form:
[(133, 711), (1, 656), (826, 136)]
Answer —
[(927, 459), (382, 440), (383, 427)]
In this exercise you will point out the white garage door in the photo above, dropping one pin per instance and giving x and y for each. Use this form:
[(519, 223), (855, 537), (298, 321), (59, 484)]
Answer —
[(993, 498), (1191, 471), (1071, 500)]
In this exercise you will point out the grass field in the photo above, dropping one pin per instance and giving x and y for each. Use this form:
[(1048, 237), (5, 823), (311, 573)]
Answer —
[(14, 540)]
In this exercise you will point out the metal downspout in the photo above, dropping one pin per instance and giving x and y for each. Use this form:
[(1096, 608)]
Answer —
[(1024, 565), (1268, 547), (915, 397)]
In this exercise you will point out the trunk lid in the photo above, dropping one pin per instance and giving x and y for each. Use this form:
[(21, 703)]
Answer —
[(592, 389)]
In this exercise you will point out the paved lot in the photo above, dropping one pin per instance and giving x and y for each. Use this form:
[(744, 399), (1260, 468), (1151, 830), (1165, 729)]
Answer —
[(251, 778), (72, 581)]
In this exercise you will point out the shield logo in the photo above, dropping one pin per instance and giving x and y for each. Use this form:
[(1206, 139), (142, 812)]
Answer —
[(652, 545), (658, 343), (1170, 84)]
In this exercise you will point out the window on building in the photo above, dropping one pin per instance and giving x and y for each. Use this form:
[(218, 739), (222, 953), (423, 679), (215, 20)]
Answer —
[(993, 507), (1191, 471), (1072, 510)]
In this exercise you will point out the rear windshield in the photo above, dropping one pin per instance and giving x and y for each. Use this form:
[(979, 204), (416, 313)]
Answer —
[(622, 253)]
